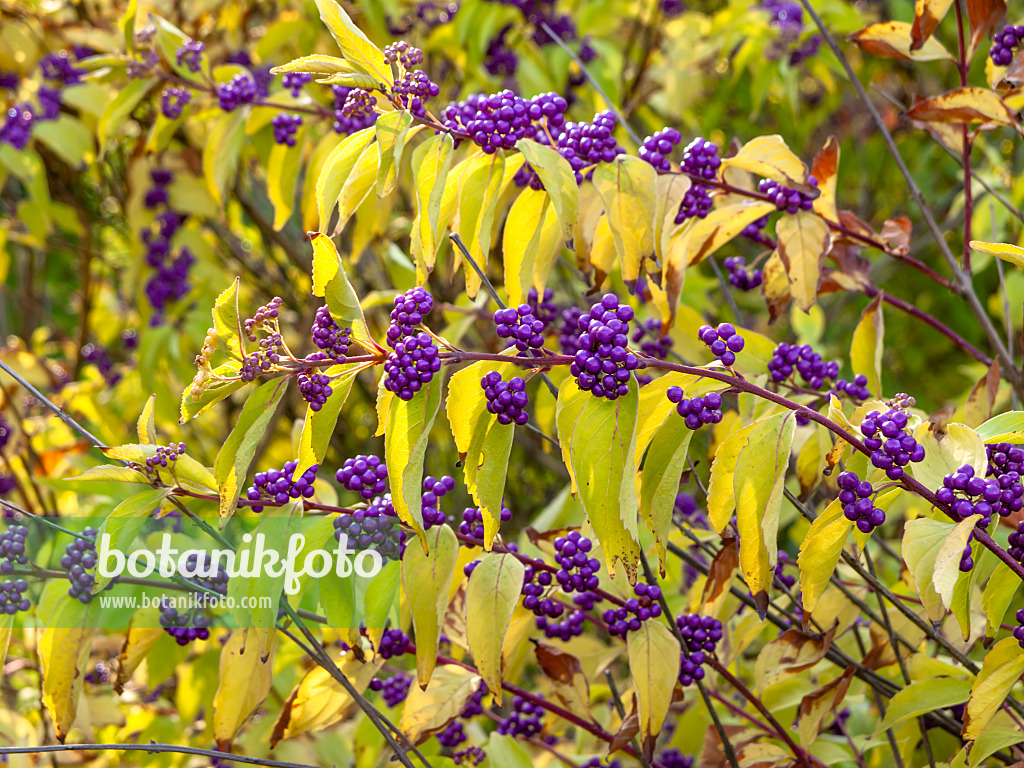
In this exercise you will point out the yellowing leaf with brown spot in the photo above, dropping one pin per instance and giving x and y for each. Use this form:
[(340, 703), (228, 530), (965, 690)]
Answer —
[(722, 225), (627, 189), (820, 552), (867, 345), (826, 170), (815, 705), (963, 105), (804, 239), (649, 649), (892, 40), (429, 710), (565, 673), (927, 15), (319, 700), (769, 156), (245, 680), (492, 595), (790, 653), (1000, 671), (427, 577)]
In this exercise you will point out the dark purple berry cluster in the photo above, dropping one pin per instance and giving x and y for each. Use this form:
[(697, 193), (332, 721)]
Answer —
[(1005, 465), (535, 583), (433, 491), (700, 161), (547, 113), (672, 757), (375, 527), (329, 337), (755, 231), (543, 307), (723, 341), (569, 330), (783, 579), (658, 146), (577, 571), (524, 720), (786, 199), (452, 734), (277, 484), (404, 54), (17, 127), (100, 674), (394, 689), (634, 611), (240, 90), (569, 627), (169, 282), (521, 326), (596, 762), (700, 636), (585, 145), (411, 309), (12, 549), (493, 122), (414, 90), (685, 506), (412, 365), (351, 123), (500, 59), (394, 642), (12, 596), (469, 756), (891, 446), (294, 82), (190, 54), (652, 343), (165, 456), (1015, 545), (742, 277), (473, 522), (1005, 43), (856, 497), (285, 127), (173, 101), (367, 475), (79, 560), (967, 494), (506, 399), (1018, 631), (696, 411), (603, 365), (856, 388), (315, 388), (804, 360), (98, 355), (184, 627)]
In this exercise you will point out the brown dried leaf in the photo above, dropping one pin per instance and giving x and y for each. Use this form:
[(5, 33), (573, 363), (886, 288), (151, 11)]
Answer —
[(896, 235), (927, 15), (984, 16), (892, 40), (1014, 75), (720, 575), (938, 420), (963, 105), (712, 754), (790, 653), (826, 170), (628, 730), (567, 679), (816, 704), (978, 407), (775, 286)]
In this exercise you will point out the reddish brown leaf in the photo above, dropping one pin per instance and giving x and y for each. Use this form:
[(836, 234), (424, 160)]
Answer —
[(1014, 75), (712, 754), (927, 15), (720, 575), (938, 420), (628, 730), (984, 16), (963, 105), (566, 675), (852, 222), (896, 235), (893, 40)]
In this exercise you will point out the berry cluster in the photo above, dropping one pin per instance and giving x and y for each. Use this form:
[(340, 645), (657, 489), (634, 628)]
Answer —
[(634, 611), (433, 491), (12, 596), (452, 734), (535, 583), (506, 399), (394, 689), (329, 337), (1005, 465), (569, 331), (740, 276), (404, 54), (277, 484), (723, 341), (856, 388), (1018, 631), (685, 506), (603, 365), (586, 144), (184, 628), (367, 475), (57, 66), (967, 494), (696, 411), (99, 675), (652, 343), (499, 57), (169, 282), (394, 642), (804, 360), (351, 123), (294, 82), (700, 161), (524, 720), (569, 627), (173, 101), (315, 388), (270, 347), (577, 570), (891, 446), (473, 522), (12, 548), (673, 758), (17, 127), (285, 127), (521, 326), (165, 456), (190, 54), (493, 122), (469, 756), (79, 558), (413, 364), (543, 308), (547, 111), (358, 103), (700, 636), (786, 199), (855, 496), (782, 578), (413, 91), (658, 146), (1015, 545), (1005, 42), (373, 528), (755, 231), (240, 90), (411, 308)]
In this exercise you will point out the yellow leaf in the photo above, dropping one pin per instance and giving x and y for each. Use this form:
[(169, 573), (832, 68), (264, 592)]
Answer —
[(769, 156), (963, 105), (427, 577), (1005, 251), (820, 552), (804, 240), (946, 571), (524, 228), (670, 189), (331, 283), (358, 185), (315, 64), (867, 345), (63, 652), (146, 425), (627, 189), (789, 654), (429, 710), (392, 130), (336, 170), (892, 40), (927, 15), (721, 490), (492, 595), (1004, 428), (245, 680), (922, 540), (355, 46), (431, 162), (960, 446), (722, 225), (142, 635), (559, 181), (649, 649), (479, 185), (282, 173), (1000, 671)]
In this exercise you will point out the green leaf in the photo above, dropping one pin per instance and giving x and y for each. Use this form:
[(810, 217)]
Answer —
[(223, 150), (1004, 428), (114, 472), (627, 189), (478, 200), (503, 751), (760, 477), (598, 438), (820, 552), (659, 482), (282, 177), (1003, 666), (392, 130), (117, 111), (492, 595), (484, 444), (431, 162), (236, 454), (999, 593), (357, 186), (127, 25), (405, 446), (355, 46), (921, 697), (559, 182), (315, 64), (338, 600), (331, 283), (804, 239), (946, 572), (67, 137), (319, 425), (427, 577), (352, 80), (649, 648), (866, 347), (923, 539), (336, 170), (381, 596), (124, 523)]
